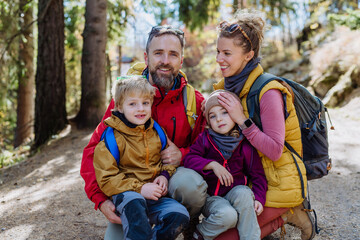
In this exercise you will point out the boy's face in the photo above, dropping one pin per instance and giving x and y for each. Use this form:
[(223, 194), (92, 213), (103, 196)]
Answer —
[(136, 108), (220, 120)]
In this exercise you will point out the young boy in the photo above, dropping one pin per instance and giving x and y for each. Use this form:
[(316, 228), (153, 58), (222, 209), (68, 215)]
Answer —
[(227, 161), (139, 182)]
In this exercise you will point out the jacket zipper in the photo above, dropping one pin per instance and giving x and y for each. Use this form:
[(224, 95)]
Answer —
[(225, 165), (174, 129)]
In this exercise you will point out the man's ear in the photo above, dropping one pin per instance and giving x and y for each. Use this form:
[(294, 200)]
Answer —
[(182, 61), (146, 58), (250, 55)]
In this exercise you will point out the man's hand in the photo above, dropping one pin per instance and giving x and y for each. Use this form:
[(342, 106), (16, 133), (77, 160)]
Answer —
[(151, 191), (171, 155), (258, 207), (163, 183), (108, 209)]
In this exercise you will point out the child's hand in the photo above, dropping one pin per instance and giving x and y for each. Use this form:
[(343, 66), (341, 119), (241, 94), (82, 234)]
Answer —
[(258, 207), (151, 191), (163, 183), (222, 173)]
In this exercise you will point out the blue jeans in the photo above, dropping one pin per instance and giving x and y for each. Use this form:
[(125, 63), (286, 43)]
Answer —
[(139, 214), (185, 186)]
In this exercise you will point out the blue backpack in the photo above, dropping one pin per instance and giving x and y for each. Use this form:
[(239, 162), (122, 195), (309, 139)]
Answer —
[(110, 142), (311, 114)]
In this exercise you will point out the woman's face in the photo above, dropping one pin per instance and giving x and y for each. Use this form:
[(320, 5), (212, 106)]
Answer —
[(231, 58)]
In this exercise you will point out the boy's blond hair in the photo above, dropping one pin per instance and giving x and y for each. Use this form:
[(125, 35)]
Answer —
[(128, 85)]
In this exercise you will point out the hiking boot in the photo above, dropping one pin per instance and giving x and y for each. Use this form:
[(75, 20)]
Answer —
[(189, 231), (301, 218), (197, 235)]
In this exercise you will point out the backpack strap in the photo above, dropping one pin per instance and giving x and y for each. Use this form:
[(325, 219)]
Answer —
[(189, 100), (110, 143), (253, 97), (162, 135)]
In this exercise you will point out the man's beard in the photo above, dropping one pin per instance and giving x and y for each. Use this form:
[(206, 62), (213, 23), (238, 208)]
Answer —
[(162, 81)]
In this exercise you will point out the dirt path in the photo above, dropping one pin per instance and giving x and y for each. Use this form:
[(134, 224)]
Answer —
[(43, 197)]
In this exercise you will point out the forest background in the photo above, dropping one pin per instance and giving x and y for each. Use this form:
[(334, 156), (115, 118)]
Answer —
[(58, 58)]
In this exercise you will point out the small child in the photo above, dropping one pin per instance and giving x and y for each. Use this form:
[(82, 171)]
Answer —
[(139, 182), (227, 161)]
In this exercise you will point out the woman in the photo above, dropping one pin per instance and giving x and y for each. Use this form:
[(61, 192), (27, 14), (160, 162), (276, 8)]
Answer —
[(238, 48)]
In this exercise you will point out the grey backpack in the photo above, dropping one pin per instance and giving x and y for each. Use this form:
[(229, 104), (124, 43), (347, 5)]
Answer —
[(311, 114)]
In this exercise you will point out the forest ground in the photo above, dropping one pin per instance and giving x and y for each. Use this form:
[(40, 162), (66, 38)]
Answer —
[(43, 197)]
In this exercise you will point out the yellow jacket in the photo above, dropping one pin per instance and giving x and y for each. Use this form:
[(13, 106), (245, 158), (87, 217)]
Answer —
[(284, 185), (139, 158)]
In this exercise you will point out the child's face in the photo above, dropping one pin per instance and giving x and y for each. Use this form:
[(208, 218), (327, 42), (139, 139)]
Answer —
[(220, 120), (136, 108)]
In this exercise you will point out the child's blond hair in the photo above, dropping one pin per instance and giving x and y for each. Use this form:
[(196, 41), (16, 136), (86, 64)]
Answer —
[(129, 85)]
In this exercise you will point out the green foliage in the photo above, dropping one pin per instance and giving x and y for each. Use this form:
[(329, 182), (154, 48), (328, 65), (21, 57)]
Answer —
[(74, 22), (119, 13), (351, 19), (9, 70), (196, 13)]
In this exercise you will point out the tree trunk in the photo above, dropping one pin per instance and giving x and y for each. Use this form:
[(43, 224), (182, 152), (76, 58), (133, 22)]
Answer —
[(25, 94), (50, 110), (93, 72)]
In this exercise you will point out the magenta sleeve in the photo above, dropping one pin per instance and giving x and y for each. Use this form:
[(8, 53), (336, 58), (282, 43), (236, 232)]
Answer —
[(271, 141)]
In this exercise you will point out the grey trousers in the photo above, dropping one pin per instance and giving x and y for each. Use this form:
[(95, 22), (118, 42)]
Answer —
[(186, 186), (235, 209)]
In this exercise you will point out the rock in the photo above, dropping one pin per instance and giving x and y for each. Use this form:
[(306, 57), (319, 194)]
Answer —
[(337, 94)]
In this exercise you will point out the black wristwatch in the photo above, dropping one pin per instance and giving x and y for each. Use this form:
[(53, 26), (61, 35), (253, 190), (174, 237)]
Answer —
[(246, 124)]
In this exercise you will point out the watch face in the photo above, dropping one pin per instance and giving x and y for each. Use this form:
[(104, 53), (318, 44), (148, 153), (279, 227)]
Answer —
[(248, 123)]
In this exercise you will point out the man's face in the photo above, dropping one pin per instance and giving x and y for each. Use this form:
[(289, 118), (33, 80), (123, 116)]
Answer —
[(164, 60)]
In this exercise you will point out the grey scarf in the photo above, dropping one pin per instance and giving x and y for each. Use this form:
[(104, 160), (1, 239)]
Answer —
[(236, 83), (226, 144)]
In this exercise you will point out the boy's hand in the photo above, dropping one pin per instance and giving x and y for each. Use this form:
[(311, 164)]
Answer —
[(222, 173), (163, 183), (151, 191), (258, 207)]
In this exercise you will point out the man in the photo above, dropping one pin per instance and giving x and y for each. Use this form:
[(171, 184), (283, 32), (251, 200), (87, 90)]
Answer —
[(163, 59)]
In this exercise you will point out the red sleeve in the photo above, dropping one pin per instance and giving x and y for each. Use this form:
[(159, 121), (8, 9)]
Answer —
[(199, 124), (87, 171)]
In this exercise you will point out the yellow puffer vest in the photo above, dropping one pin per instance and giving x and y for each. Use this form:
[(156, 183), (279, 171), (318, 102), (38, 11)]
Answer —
[(284, 184)]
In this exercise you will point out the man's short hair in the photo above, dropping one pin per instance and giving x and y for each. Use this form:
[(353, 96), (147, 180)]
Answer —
[(163, 30), (129, 85)]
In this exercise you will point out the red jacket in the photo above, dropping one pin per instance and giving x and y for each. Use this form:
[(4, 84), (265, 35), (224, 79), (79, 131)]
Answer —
[(169, 111)]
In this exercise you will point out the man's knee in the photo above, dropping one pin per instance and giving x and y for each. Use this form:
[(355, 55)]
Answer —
[(187, 183)]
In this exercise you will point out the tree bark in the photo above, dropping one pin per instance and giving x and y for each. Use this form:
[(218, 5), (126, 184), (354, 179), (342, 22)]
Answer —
[(93, 72), (25, 93), (50, 110)]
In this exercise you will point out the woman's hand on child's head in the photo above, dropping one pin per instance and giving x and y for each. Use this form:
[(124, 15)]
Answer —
[(233, 107), (163, 183), (222, 173), (151, 191), (258, 207)]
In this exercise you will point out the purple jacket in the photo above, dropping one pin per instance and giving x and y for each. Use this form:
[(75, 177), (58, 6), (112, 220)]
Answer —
[(244, 165)]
